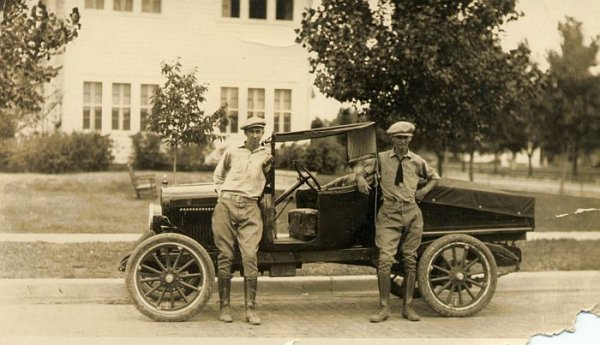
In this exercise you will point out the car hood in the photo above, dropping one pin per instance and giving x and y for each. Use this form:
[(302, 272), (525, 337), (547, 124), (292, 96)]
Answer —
[(189, 194)]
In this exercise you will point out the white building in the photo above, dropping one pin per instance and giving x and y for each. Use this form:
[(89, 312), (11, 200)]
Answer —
[(243, 49)]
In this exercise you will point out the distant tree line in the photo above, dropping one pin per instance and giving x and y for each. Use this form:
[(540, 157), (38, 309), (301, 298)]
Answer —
[(440, 65)]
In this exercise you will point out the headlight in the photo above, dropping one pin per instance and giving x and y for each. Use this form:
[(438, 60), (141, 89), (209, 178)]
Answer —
[(153, 211)]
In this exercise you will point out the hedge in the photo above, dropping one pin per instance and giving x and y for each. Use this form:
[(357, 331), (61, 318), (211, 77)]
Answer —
[(56, 153)]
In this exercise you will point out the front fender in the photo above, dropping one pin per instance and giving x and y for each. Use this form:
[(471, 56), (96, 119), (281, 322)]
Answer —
[(505, 256)]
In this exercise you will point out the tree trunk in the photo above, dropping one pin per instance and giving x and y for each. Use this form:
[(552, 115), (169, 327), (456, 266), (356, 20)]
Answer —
[(446, 154), (471, 163), (175, 163), (441, 156), (563, 175), (496, 161), (530, 150), (574, 157)]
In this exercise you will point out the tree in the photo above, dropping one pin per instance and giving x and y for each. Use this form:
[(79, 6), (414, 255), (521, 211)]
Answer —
[(574, 93), (436, 63), (29, 38), (176, 114), (520, 127)]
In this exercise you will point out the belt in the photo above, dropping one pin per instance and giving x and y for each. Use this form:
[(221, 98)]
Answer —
[(238, 198), (399, 202)]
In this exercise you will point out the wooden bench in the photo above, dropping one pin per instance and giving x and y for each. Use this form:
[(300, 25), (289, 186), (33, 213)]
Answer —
[(142, 184)]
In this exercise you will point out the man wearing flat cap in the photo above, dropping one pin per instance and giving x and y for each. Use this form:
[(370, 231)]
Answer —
[(240, 179), (399, 220)]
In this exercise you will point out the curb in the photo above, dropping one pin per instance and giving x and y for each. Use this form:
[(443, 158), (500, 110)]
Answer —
[(113, 290)]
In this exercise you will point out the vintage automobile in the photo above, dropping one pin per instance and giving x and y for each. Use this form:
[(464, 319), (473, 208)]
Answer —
[(468, 241)]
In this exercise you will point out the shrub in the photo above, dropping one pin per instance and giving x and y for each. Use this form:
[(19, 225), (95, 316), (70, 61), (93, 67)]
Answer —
[(286, 154), (325, 156), (90, 151), (146, 151), (59, 152)]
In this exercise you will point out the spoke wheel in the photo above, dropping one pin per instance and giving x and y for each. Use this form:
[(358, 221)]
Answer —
[(169, 277), (457, 275)]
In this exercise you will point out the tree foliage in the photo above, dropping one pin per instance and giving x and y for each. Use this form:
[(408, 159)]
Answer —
[(436, 63), (29, 38), (177, 115), (573, 95)]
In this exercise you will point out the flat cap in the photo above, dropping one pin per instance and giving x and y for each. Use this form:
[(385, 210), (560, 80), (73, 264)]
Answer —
[(401, 128), (253, 121)]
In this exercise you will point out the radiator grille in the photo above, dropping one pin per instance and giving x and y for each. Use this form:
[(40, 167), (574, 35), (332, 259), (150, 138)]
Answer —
[(195, 221)]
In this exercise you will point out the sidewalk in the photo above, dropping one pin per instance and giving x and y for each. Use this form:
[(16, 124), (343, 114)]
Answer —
[(113, 290)]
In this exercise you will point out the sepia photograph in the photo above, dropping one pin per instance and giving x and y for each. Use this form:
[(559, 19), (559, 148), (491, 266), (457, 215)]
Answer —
[(300, 172)]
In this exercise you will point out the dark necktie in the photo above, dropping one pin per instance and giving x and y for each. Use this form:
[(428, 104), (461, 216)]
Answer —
[(399, 174)]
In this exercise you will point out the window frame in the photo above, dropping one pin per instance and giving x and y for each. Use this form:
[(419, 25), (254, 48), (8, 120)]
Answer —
[(123, 114), (93, 4), (146, 92), (156, 6), (94, 105), (265, 9), (277, 8), (232, 111), (282, 114), (253, 98), (128, 5), (228, 8)]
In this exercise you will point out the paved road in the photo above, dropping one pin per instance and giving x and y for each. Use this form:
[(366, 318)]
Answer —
[(516, 312)]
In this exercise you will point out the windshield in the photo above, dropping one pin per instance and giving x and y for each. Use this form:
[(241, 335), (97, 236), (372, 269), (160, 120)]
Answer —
[(360, 138)]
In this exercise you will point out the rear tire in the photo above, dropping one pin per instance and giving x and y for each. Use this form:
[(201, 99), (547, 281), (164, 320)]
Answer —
[(457, 275), (169, 277)]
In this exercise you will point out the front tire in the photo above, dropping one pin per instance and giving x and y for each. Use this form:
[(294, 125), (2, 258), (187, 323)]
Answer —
[(169, 277), (457, 275)]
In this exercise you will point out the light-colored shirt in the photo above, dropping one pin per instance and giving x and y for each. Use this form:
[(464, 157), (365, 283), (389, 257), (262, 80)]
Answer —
[(241, 171), (413, 168)]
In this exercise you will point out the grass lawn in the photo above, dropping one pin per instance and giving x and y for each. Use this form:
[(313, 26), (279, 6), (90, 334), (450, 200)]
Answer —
[(549, 206), (104, 202)]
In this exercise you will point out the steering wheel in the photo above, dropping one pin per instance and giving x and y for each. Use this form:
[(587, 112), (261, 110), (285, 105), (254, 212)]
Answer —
[(305, 176)]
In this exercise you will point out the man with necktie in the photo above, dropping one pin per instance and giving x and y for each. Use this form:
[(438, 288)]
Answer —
[(399, 220)]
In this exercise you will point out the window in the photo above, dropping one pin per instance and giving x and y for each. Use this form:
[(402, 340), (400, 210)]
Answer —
[(282, 111), (95, 4), (258, 9), (151, 6), (229, 97), (145, 104), (92, 105), (121, 106), (256, 102), (231, 8), (284, 10), (123, 5)]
